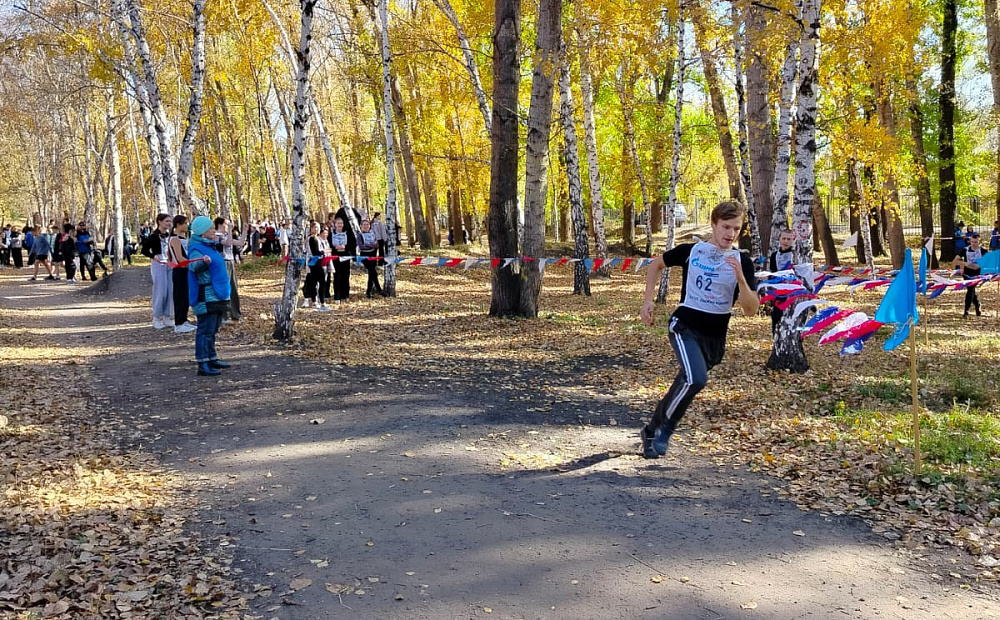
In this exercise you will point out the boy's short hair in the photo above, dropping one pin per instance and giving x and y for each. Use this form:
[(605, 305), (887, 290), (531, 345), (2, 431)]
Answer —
[(219, 221), (727, 210), (974, 235)]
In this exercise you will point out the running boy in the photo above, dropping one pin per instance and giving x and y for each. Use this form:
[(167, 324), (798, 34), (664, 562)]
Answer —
[(715, 276)]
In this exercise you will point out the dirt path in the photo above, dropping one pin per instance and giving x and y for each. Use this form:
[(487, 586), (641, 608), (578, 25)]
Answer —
[(410, 498)]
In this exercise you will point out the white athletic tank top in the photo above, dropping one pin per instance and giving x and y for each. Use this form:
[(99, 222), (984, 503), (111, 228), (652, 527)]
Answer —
[(710, 280)]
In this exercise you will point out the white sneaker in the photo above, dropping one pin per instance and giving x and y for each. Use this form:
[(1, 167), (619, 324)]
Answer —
[(185, 328), (160, 323), (324, 308), (305, 303)]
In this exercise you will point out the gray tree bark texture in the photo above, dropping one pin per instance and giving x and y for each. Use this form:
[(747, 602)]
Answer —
[(948, 196), (546, 61), (503, 211), (284, 310), (581, 247), (759, 120)]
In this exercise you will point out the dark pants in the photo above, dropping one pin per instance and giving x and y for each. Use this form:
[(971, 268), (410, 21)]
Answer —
[(5, 257), (696, 355), (87, 266), (70, 266), (18, 257), (341, 280), (775, 318), (180, 278), (971, 298), (317, 284), (99, 261), (204, 336), (371, 265), (234, 299)]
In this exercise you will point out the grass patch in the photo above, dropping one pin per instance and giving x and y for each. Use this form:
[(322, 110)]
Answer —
[(889, 390), (962, 390), (257, 264), (950, 441)]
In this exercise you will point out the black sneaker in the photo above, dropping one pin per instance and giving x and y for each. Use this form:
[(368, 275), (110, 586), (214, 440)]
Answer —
[(647, 445)]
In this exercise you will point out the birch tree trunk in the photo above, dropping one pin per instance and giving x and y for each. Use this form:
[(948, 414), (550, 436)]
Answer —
[(787, 352), (503, 209), (546, 65), (675, 162), (581, 248), (854, 177), (389, 285), (470, 61), (741, 102), (718, 101), (284, 311), (805, 133), (779, 191), (164, 128), (185, 163), (115, 182), (133, 137), (593, 165)]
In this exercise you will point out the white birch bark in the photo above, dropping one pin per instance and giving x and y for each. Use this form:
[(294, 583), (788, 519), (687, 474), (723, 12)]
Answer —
[(284, 311), (470, 62), (741, 103), (779, 191), (805, 133), (389, 285), (675, 161), (115, 183), (546, 66), (593, 165), (581, 275), (134, 138), (185, 163), (164, 128)]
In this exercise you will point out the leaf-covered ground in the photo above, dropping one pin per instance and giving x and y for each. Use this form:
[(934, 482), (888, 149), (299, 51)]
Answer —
[(839, 435), (88, 529)]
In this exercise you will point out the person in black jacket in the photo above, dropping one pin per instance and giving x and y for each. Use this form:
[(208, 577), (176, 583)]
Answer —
[(340, 245), (715, 276), (317, 279), (968, 259), (780, 260), (67, 243), (155, 248)]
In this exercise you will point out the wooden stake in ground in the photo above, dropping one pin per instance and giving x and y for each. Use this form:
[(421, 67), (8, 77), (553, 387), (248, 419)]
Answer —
[(916, 402)]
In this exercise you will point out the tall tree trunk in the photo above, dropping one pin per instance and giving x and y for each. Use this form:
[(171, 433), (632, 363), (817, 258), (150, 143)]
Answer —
[(134, 138), (185, 163), (948, 198), (675, 161), (779, 191), (718, 101), (822, 227), (893, 211), (237, 148), (470, 61), (748, 187), (164, 128), (760, 123), (787, 352), (633, 151), (503, 210), (924, 200), (628, 198), (546, 63), (389, 285), (993, 57), (410, 168), (854, 193), (581, 248), (857, 190), (430, 193), (284, 311), (593, 165), (115, 182)]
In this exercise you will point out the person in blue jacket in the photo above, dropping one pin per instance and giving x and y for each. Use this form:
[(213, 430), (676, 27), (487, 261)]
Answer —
[(208, 293)]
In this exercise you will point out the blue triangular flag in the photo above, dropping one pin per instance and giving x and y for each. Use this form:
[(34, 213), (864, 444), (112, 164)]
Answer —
[(990, 263), (922, 287), (899, 306)]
